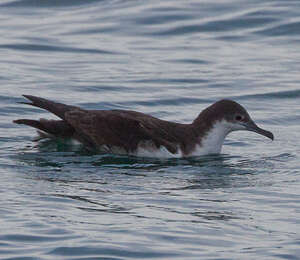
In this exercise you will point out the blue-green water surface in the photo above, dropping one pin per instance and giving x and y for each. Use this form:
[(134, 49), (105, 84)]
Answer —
[(170, 59)]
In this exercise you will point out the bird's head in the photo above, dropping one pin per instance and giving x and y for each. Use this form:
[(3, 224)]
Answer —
[(231, 116)]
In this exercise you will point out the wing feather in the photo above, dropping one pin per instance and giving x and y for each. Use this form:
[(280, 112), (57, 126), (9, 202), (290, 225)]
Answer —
[(113, 129)]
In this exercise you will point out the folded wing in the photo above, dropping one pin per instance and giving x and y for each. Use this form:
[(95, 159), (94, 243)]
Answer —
[(115, 129)]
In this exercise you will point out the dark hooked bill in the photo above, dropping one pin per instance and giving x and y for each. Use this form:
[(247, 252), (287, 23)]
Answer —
[(251, 126)]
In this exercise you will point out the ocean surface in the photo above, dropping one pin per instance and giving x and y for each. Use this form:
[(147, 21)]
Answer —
[(170, 59)]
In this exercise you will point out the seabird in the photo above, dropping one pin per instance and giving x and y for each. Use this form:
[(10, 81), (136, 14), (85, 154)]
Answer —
[(135, 133)]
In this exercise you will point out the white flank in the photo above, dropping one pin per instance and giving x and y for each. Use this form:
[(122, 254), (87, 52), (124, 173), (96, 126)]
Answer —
[(161, 152), (75, 142), (212, 142), (148, 149)]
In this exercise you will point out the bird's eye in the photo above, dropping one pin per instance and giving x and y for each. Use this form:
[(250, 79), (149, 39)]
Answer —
[(238, 118)]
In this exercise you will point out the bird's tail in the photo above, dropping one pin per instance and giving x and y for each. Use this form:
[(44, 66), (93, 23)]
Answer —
[(58, 109), (53, 128)]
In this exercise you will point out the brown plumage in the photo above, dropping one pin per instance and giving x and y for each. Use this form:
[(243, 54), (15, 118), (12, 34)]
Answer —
[(128, 130), (109, 128)]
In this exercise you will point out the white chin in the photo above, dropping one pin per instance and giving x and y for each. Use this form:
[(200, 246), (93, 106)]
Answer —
[(236, 126)]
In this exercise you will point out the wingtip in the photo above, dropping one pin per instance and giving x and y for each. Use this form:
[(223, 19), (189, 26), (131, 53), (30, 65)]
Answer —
[(18, 121), (25, 96), (30, 97), (23, 102)]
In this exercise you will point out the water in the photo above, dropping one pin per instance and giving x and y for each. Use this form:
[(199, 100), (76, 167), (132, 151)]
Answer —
[(170, 59)]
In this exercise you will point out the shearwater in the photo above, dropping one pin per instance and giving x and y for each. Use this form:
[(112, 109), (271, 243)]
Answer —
[(139, 134)]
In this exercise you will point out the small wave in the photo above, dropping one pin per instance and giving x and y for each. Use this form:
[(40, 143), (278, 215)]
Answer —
[(165, 102), (32, 238), (49, 48), (161, 19), (104, 29), (292, 28), (102, 252), (48, 3), (8, 100), (238, 23), (190, 61), (170, 80), (289, 94)]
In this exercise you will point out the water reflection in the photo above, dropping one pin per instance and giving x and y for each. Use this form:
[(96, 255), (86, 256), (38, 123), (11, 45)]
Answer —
[(206, 172)]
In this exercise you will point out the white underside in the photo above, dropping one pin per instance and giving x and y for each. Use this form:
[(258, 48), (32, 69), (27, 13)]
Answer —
[(145, 149), (161, 152), (209, 144), (213, 141)]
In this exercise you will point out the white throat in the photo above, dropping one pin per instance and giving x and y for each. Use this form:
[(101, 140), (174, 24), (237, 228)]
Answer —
[(212, 142)]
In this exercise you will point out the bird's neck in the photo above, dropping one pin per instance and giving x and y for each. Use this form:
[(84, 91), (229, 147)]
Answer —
[(210, 136)]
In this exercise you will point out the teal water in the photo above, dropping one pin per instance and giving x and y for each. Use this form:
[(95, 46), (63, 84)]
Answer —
[(170, 59)]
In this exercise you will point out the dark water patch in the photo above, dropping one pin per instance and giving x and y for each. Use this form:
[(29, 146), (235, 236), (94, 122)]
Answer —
[(50, 48), (288, 29), (223, 175), (171, 80), (26, 110), (236, 23), (290, 119), (216, 183), (127, 162), (109, 251), (100, 88), (214, 26), (19, 258), (31, 238), (115, 210), (289, 94), (48, 3), (96, 258), (285, 256), (188, 61), (97, 206), (15, 110), (234, 38), (6, 125), (160, 19), (106, 105), (128, 105), (109, 29), (283, 157), (179, 30), (8, 100), (268, 11), (170, 102), (166, 9)]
